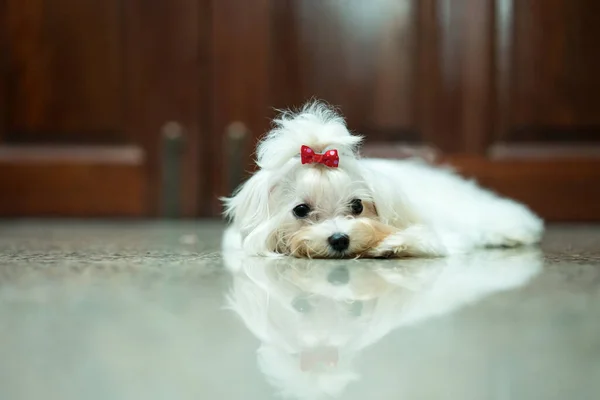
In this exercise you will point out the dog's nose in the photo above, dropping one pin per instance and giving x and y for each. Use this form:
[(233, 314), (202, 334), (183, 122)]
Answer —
[(339, 241)]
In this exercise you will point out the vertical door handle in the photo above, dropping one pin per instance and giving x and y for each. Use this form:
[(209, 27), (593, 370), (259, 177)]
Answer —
[(236, 136), (172, 135)]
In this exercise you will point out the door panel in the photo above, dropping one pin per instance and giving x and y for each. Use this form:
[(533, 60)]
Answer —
[(90, 91), (555, 66), (72, 181), (501, 89), (547, 115), (360, 55), (64, 71), (238, 50)]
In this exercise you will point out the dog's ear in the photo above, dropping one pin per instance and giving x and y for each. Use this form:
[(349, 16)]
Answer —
[(249, 204)]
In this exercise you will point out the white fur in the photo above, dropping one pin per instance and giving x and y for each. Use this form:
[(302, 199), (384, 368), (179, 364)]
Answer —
[(433, 211)]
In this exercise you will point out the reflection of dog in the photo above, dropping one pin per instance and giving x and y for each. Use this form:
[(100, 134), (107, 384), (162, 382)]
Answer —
[(313, 197), (313, 318)]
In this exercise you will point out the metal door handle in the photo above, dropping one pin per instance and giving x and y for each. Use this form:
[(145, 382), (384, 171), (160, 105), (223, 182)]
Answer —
[(236, 136), (172, 135)]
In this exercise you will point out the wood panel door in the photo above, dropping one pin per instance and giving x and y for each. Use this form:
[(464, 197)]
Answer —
[(91, 93), (505, 90)]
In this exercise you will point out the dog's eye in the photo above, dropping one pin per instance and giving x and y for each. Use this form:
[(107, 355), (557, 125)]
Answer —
[(356, 206), (301, 211)]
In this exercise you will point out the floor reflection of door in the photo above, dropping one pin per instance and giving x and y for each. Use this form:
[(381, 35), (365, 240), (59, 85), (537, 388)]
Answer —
[(505, 90)]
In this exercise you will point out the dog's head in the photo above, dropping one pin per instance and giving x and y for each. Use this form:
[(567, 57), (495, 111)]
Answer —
[(295, 204)]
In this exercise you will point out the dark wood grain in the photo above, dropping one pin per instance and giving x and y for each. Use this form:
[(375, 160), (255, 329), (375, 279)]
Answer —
[(558, 189), (441, 73), (357, 55), (551, 72), (505, 89), (162, 75), (64, 70), (3, 73), (204, 158), (72, 182), (503, 58), (493, 82), (429, 78), (456, 74), (103, 74), (556, 63), (478, 76), (240, 85)]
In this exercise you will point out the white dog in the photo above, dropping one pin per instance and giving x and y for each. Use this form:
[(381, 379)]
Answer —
[(313, 196)]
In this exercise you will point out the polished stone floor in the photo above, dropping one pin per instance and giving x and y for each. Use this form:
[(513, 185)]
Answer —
[(153, 311)]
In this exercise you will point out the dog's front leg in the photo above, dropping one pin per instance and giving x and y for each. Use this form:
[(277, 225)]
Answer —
[(414, 241)]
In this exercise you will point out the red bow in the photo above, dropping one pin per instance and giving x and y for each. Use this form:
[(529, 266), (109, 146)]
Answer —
[(330, 158)]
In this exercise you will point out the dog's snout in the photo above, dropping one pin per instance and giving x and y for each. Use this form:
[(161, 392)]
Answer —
[(339, 241)]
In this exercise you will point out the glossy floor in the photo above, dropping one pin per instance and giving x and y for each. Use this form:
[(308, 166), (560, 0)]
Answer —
[(152, 311)]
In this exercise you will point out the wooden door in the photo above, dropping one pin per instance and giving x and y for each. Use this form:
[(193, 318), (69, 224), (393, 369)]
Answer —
[(91, 93), (505, 90)]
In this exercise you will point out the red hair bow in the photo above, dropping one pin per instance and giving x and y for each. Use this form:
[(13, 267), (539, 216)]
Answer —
[(330, 158)]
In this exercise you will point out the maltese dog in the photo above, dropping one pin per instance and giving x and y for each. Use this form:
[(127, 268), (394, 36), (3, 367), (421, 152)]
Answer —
[(313, 196)]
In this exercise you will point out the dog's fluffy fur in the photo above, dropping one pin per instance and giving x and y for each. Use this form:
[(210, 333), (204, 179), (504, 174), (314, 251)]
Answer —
[(409, 207)]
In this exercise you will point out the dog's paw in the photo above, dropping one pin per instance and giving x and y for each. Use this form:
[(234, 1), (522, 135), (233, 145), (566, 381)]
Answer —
[(392, 246)]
